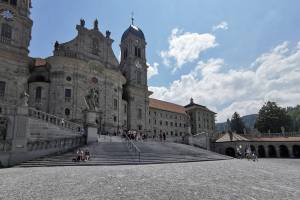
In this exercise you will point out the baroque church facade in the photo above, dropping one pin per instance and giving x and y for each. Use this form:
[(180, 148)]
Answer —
[(82, 74)]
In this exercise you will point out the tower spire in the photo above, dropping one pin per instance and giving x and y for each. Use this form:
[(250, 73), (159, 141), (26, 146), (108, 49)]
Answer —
[(132, 18)]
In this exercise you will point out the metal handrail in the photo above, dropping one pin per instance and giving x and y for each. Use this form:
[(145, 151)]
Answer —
[(132, 147)]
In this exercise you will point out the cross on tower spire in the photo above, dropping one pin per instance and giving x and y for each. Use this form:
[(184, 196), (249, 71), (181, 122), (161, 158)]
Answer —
[(132, 18)]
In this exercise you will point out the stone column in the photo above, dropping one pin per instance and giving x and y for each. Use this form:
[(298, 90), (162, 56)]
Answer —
[(290, 148), (92, 127)]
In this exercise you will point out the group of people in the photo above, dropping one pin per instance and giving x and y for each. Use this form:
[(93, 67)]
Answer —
[(249, 154), (133, 135), (162, 137), (82, 155)]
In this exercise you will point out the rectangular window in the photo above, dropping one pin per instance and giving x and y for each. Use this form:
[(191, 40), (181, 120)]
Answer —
[(139, 77), (2, 88), (115, 104), (38, 94), (160, 122), (68, 95), (125, 108), (139, 114), (6, 31)]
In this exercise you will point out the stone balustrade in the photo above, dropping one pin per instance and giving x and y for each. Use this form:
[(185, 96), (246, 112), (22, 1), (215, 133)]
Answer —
[(61, 143), (6, 109), (60, 122)]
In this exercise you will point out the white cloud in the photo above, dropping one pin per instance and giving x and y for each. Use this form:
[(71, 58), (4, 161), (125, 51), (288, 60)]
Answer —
[(222, 25), (273, 76), (152, 70), (186, 47)]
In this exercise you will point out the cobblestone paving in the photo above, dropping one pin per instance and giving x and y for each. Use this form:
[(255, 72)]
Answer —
[(231, 179)]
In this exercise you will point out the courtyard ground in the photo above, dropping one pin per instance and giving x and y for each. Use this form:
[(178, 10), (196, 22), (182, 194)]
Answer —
[(228, 179)]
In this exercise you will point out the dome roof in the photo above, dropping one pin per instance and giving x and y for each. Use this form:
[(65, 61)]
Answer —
[(135, 31)]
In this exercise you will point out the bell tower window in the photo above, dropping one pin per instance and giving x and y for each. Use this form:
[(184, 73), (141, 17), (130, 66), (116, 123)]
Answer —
[(6, 31), (137, 52)]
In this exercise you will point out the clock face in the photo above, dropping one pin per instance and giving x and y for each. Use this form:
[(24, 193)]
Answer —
[(138, 65), (7, 14)]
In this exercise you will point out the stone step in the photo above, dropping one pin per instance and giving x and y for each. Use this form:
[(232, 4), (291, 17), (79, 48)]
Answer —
[(117, 153)]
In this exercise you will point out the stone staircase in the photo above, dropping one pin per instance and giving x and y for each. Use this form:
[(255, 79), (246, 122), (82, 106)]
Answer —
[(112, 151)]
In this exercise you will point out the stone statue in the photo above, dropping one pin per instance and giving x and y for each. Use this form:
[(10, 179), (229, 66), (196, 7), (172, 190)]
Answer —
[(24, 99), (96, 25), (56, 45), (82, 22), (108, 34), (92, 100)]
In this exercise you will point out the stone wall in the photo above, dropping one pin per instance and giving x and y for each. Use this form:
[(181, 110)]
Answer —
[(174, 125)]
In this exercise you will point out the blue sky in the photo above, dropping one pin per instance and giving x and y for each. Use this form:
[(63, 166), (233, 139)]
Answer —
[(206, 63)]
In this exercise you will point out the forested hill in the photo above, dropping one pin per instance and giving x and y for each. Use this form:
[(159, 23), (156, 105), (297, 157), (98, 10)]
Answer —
[(249, 121)]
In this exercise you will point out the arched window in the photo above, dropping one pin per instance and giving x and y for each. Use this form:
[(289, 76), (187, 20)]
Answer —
[(38, 94), (135, 51), (139, 114), (67, 112), (13, 2), (6, 31), (139, 52)]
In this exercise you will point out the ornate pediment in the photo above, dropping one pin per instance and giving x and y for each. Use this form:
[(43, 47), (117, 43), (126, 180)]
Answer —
[(89, 44)]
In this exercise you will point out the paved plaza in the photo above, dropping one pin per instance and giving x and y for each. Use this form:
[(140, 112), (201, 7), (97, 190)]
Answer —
[(229, 179)]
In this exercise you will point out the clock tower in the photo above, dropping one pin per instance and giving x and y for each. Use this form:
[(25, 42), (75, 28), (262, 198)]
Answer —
[(133, 66), (15, 36), (15, 26)]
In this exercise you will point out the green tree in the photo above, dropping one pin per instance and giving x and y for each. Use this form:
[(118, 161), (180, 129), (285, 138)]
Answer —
[(272, 117), (237, 125), (294, 113)]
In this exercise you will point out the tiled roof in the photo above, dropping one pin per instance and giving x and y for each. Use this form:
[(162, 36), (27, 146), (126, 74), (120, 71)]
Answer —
[(276, 139), (237, 137), (167, 106), (39, 62)]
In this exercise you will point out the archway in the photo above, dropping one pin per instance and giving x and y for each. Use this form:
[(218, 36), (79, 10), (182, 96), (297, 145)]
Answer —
[(261, 151), (283, 151), (252, 147), (230, 152), (272, 151), (296, 151)]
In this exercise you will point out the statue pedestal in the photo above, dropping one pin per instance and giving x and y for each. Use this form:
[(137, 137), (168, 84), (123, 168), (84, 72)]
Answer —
[(21, 130), (92, 127)]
